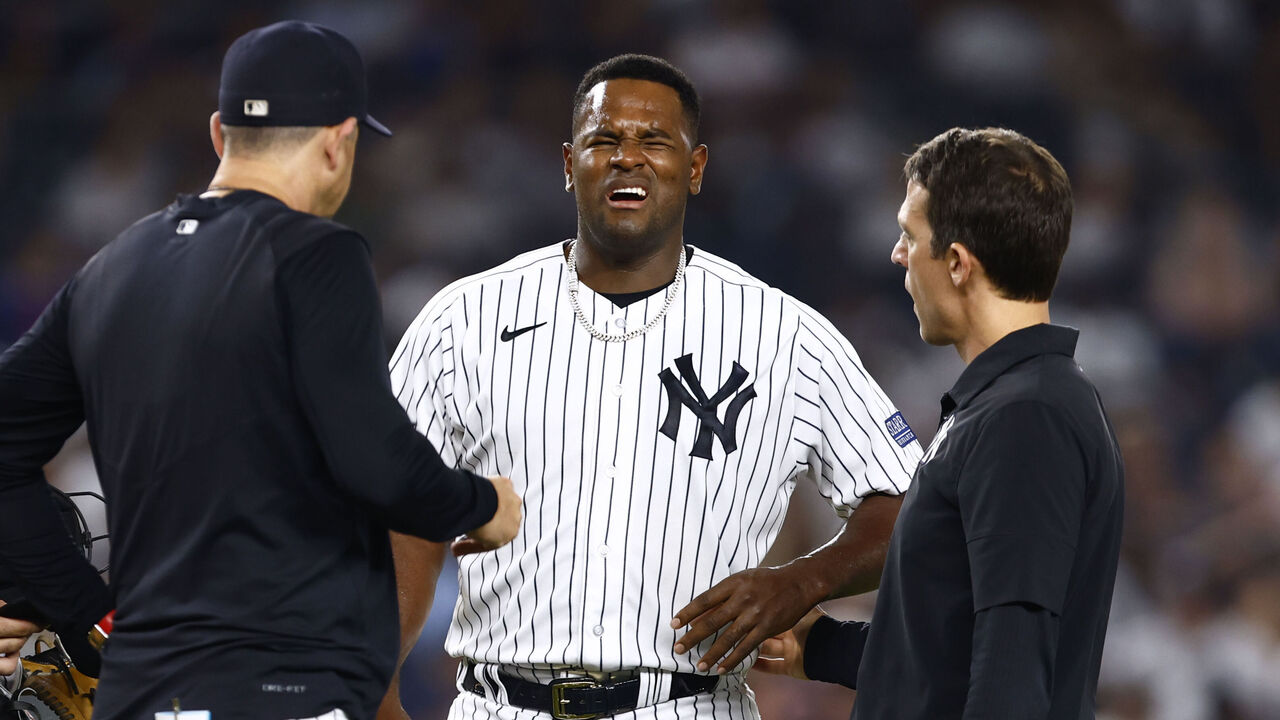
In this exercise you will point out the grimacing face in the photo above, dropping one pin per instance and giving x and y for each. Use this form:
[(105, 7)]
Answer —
[(927, 279), (632, 165)]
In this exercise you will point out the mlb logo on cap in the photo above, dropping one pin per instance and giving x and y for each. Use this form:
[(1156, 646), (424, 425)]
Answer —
[(255, 108)]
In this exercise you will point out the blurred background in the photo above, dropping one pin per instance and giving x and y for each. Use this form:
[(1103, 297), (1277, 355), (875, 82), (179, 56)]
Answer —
[(1164, 112)]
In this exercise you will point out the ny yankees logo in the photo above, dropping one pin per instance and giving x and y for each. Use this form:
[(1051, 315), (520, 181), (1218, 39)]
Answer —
[(937, 439), (695, 398)]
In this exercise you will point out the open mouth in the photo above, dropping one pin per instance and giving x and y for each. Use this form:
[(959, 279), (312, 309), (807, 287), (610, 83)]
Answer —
[(627, 197)]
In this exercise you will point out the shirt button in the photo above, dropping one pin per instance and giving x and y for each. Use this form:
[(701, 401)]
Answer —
[(598, 630), (617, 390), (620, 322), (610, 472), (604, 551)]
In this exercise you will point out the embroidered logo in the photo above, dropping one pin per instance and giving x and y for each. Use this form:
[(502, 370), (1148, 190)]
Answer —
[(705, 408), (509, 335), (900, 430)]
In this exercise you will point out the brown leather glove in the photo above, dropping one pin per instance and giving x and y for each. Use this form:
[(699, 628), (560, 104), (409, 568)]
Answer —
[(53, 688)]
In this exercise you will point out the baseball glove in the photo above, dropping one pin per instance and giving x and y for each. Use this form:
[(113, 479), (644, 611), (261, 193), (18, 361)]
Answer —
[(52, 689)]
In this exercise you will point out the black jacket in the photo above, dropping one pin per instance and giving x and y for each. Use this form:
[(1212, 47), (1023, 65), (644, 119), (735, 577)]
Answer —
[(227, 355)]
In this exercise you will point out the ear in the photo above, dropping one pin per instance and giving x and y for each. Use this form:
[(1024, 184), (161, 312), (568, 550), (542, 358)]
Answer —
[(215, 132), (568, 167), (695, 170), (337, 142), (962, 266)]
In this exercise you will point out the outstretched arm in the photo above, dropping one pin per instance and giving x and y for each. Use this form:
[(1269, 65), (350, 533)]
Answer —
[(418, 565), (817, 648), (748, 607), (332, 317)]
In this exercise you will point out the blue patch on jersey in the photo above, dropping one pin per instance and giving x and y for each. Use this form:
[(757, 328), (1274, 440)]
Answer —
[(900, 430)]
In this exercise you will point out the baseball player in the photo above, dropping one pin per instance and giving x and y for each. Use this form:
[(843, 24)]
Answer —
[(655, 406), (226, 353)]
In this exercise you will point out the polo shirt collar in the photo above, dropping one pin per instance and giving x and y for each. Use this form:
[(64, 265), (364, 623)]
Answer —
[(1017, 346)]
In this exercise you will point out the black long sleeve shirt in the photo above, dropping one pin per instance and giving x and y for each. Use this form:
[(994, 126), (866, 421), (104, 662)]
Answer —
[(227, 356)]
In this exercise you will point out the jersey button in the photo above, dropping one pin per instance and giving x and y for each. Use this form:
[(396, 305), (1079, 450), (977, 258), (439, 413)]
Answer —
[(604, 551), (617, 390), (620, 322), (598, 630)]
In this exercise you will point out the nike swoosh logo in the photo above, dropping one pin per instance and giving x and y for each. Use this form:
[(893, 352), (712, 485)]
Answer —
[(509, 335)]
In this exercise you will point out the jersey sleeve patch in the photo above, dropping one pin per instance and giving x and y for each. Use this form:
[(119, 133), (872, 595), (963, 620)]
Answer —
[(900, 430)]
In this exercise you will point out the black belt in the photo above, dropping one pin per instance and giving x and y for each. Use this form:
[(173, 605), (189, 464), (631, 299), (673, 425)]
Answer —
[(584, 698)]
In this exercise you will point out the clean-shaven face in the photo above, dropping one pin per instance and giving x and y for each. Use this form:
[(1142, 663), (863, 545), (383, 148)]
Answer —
[(927, 279)]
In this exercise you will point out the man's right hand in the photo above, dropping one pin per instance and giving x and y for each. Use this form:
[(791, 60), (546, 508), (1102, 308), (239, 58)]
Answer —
[(501, 529), (783, 654)]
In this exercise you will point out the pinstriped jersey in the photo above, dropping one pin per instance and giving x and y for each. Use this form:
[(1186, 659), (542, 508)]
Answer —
[(650, 469)]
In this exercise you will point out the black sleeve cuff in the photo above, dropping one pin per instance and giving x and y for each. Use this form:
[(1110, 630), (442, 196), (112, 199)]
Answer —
[(833, 651), (484, 508)]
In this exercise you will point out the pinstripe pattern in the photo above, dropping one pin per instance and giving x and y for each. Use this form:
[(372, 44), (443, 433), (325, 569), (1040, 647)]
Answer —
[(622, 526)]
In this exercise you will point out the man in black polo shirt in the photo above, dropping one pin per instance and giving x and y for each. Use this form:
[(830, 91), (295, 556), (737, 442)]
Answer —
[(997, 585), (227, 356)]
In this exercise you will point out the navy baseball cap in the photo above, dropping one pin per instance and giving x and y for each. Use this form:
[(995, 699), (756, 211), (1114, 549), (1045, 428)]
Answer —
[(294, 74)]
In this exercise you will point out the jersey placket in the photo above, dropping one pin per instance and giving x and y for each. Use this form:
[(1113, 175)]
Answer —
[(608, 493)]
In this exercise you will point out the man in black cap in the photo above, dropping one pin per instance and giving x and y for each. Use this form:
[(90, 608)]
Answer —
[(227, 355), (997, 587)]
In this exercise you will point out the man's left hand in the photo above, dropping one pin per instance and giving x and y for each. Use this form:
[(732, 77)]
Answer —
[(750, 607), (13, 635)]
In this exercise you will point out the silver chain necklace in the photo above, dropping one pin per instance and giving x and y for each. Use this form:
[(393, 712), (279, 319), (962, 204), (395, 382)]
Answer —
[(672, 290)]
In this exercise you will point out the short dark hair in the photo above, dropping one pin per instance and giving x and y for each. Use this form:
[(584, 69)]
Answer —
[(1004, 198), (254, 140), (633, 66)]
